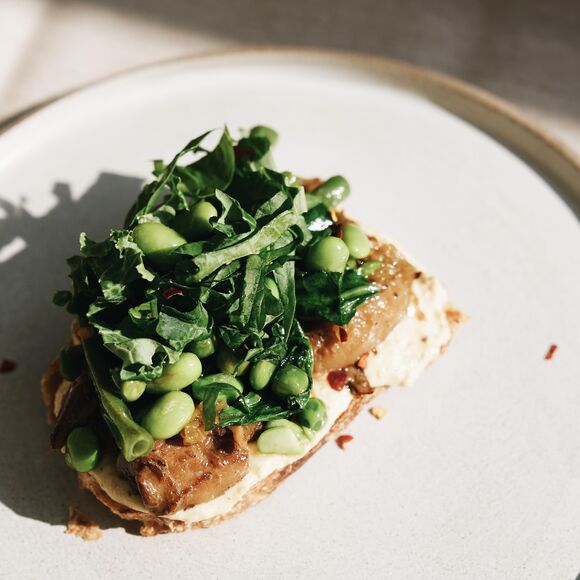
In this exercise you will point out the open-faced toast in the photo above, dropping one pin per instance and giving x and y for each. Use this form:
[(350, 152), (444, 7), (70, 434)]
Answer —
[(388, 322)]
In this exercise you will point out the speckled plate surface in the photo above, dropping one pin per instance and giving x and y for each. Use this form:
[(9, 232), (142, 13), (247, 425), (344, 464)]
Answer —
[(475, 470)]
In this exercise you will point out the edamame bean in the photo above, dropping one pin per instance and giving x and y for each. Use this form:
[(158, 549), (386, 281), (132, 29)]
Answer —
[(178, 375), (328, 255), (132, 390), (289, 380), (369, 268), (279, 440), (298, 431), (83, 451), (357, 241), (261, 373), (272, 287), (200, 387), (314, 415), (168, 415), (229, 362), (195, 224), (266, 133), (202, 348), (331, 193), (157, 241)]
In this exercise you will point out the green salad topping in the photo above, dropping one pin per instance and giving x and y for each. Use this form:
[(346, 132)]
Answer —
[(203, 290)]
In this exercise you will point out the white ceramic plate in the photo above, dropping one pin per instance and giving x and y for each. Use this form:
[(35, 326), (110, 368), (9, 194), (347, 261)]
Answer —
[(475, 470)]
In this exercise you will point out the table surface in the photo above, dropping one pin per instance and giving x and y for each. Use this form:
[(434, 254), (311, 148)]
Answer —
[(527, 51)]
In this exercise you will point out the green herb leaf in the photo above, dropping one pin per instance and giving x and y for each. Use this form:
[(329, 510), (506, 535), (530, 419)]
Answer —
[(180, 328), (332, 296)]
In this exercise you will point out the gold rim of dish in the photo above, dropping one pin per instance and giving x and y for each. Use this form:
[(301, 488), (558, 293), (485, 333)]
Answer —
[(495, 116)]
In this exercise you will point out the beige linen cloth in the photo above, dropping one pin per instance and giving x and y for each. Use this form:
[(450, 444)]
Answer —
[(527, 51)]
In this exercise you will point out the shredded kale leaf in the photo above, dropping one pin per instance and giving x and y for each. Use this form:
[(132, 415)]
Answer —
[(219, 287)]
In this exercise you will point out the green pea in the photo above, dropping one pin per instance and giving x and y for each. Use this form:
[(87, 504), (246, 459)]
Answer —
[(229, 362), (369, 268), (328, 255), (351, 263), (178, 375), (157, 242), (314, 415), (298, 431), (261, 373), (132, 390), (168, 415), (333, 191), (266, 133), (357, 241), (200, 387), (195, 224), (83, 451), (289, 380), (272, 287), (202, 348), (280, 440)]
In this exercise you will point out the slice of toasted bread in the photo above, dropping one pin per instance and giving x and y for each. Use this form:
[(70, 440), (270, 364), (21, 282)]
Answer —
[(415, 343)]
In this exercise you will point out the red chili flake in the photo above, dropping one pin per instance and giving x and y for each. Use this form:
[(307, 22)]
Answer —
[(342, 334), (362, 361), (337, 231), (7, 366), (344, 441), (553, 348), (171, 292), (337, 379)]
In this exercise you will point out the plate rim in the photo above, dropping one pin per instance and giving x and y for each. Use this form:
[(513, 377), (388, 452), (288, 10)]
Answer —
[(538, 146)]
